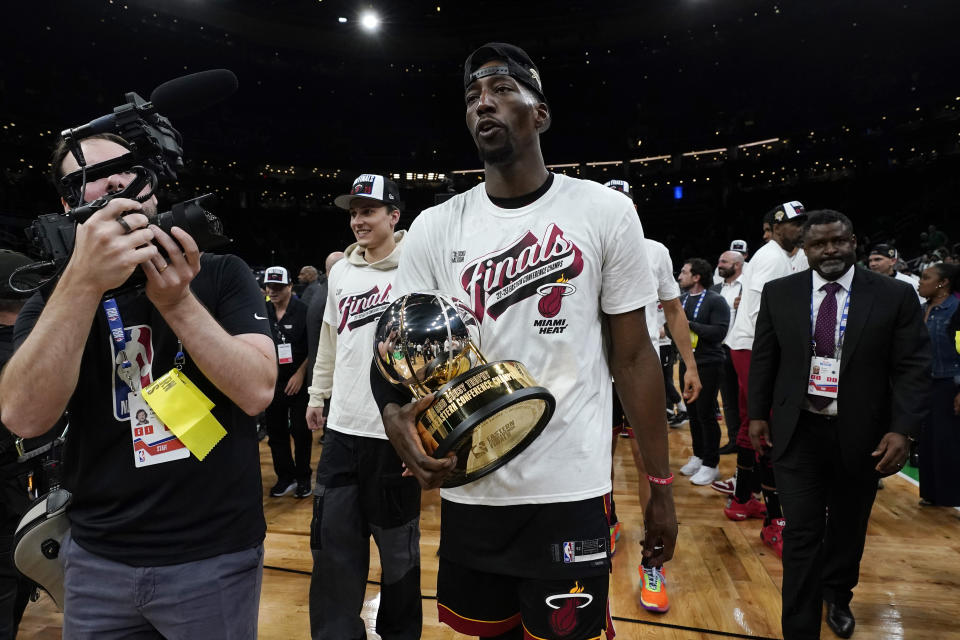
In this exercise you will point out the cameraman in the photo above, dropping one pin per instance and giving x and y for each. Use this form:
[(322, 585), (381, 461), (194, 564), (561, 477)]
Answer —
[(173, 548)]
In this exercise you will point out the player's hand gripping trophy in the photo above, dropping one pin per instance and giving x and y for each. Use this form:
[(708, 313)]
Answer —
[(484, 412)]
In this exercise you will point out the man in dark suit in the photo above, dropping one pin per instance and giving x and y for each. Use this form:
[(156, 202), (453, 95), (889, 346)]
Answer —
[(829, 338)]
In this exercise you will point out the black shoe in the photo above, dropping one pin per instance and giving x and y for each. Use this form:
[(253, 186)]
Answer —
[(303, 489), (282, 488), (840, 620), (730, 447), (678, 420)]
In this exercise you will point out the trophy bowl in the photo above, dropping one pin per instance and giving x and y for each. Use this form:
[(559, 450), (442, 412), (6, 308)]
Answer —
[(485, 412)]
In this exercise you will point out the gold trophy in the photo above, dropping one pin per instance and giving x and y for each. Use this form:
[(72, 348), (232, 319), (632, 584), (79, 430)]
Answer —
[(485, 412)]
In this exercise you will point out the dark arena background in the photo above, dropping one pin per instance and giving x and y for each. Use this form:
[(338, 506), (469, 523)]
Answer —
[(714, 111)]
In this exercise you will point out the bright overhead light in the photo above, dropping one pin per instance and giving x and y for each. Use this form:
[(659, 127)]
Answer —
[(370, 21), (341, 19)]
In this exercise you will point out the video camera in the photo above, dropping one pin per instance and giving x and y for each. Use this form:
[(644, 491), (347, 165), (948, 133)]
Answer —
[(155, 150)]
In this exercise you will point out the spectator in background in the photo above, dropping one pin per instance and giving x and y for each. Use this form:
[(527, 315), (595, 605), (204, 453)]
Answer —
[(730, 267), (883, 260), (940, 437), (709, 318), (286, 415), (935, 238), (309, 279)]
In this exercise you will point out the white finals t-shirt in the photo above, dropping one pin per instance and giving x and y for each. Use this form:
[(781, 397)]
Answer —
[(540, 278), (667, 288), (356, 296), (768, 263)]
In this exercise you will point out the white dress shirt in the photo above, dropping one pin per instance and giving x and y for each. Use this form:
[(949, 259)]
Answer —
[(818, 295)]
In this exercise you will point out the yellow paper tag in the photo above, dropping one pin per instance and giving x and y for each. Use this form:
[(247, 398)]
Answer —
[(185, 411), (694, 339)]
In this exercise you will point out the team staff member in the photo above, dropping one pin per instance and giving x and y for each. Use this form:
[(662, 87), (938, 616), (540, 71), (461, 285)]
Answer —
[(709, 319), (842, 359), (360, 488), (285, 415), (193, 530), (778, 258), (505, 537)]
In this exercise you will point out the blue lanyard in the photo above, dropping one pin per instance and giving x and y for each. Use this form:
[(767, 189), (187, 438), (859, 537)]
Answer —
[(119, 339), (696, 309), (841, 329)]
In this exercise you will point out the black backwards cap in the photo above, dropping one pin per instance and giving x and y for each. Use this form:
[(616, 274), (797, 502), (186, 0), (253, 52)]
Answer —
[(884, 250), (516, 64)]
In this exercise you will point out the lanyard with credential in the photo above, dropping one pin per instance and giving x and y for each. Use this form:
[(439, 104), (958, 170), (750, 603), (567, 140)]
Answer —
[(120, 340), (696, 309), (841, 328)]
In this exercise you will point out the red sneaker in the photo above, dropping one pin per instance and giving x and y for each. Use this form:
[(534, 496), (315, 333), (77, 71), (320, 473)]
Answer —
[(752, 508), (772, 535)]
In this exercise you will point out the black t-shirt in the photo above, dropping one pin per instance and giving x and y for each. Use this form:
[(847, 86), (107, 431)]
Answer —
[(291, 329), (177, 511), (711, 323)]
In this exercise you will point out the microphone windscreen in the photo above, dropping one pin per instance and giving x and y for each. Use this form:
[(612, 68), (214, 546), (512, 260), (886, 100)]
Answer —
[(193, 93)]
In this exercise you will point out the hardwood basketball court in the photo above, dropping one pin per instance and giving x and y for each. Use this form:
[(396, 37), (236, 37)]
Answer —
[(722, 583)]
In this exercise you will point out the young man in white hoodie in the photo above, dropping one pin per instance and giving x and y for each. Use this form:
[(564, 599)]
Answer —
[(360, 490)]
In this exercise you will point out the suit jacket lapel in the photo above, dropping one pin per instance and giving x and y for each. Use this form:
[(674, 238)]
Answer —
[(861, 301)]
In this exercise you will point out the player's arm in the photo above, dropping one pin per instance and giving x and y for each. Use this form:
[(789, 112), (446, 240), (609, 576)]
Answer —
[(680, 332), (242, 366), (39, 379), (322, 376), (636, 368)]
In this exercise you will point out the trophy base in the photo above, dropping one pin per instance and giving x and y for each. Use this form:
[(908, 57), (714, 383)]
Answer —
[(486, 416)]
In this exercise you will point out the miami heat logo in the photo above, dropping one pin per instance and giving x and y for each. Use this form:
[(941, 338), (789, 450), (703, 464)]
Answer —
[(563, 620), (528, 267), (553, 293)]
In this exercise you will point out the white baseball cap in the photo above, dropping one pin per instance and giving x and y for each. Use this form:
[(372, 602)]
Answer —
[(276, 275), (739, 246)]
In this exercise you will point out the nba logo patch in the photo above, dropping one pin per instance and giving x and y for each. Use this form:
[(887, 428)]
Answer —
[(568, 553)]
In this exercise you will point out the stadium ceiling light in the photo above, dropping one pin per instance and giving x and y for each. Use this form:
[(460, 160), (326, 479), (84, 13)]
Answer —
[(341, 19), (370, 21)]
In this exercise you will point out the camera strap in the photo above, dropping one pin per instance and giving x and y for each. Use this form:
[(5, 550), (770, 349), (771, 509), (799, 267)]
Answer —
[(120, 340)]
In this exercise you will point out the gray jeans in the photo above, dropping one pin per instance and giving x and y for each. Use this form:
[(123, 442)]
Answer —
[(214, 598)]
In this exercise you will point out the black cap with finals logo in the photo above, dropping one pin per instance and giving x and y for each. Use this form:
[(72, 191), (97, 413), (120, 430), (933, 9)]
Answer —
[(620, 185), (372, 187), (788, 211)]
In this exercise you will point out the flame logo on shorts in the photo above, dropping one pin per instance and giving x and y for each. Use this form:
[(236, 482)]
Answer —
[(563, 619), (552, 295)]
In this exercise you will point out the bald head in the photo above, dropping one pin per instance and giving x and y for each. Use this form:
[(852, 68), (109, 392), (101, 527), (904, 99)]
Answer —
[(331, 260), (730, 265)]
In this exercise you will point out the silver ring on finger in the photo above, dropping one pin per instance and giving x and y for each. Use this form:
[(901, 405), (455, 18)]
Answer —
[(123, 223)]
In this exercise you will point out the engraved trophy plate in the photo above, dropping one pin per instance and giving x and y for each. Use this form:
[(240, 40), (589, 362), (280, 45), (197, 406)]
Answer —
[(485, 412)]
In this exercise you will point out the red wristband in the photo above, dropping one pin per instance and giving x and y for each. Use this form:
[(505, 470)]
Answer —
[(664, 481)]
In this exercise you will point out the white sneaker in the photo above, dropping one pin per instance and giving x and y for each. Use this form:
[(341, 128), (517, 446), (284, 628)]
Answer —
[(705, 475), (693, 465)]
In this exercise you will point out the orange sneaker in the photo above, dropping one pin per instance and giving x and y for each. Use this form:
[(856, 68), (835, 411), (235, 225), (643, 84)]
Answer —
[(614, 536), (653, 589)]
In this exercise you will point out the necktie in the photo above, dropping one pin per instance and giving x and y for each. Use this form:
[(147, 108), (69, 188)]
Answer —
[(823, 334)]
